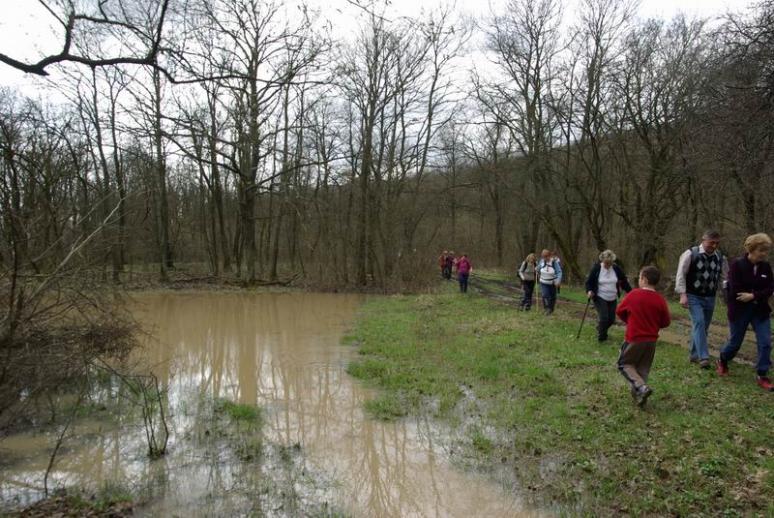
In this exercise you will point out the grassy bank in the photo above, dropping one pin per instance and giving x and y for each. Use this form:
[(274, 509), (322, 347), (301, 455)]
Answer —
[(557, 413)]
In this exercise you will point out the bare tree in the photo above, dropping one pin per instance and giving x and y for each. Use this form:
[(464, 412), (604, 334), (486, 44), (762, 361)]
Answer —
[(740, 110), (586, 112), (119, 20), (658, 86), (524, 43)]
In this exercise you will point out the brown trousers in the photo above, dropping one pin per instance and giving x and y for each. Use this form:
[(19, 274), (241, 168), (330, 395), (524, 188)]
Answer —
[(634, 362)]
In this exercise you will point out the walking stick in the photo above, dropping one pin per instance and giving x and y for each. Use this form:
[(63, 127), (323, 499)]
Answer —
[(585, 312)]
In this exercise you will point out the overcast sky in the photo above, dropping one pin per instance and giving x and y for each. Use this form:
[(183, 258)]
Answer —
[(26, 30)]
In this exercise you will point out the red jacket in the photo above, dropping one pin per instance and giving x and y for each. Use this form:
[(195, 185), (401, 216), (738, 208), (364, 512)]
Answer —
[(645, 312)]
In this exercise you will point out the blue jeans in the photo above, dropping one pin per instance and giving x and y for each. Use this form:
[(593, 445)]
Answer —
[(701, 309), (548, 292), (737, 330), (463, 278)]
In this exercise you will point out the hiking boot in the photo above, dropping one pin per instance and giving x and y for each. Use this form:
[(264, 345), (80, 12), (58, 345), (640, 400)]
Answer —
[(765, 383), (693, 359), (705, 363), (721, 368), (643, 394), (634, 392)]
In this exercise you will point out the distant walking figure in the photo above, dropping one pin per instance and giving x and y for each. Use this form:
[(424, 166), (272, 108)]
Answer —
[(464, 268), (448, 265), (527, 274), (701, 270), (604, 284), (442, 262), (750, 284), (549, 273)]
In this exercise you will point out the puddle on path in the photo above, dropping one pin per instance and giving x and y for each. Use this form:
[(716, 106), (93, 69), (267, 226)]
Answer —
[(281, 352)]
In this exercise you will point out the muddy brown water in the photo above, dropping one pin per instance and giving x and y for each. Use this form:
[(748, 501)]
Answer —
[(283, 353)]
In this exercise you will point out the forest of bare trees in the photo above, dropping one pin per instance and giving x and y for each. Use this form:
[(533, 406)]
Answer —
[(250, 140)]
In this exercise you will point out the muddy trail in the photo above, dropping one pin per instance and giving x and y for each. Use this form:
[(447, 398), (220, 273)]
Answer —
[(508, 292)]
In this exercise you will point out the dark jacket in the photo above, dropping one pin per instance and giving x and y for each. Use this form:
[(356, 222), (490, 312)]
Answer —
[(592, 281), (741, 279)]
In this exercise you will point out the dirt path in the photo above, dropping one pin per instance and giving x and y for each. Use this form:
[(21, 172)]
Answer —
[(507, 292)]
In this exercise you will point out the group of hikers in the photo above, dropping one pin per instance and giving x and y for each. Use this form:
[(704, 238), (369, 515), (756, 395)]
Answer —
[(447, 261), (746, 284), (547, 272)]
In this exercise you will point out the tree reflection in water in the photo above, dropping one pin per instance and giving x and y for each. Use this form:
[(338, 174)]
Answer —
[(282, 353)]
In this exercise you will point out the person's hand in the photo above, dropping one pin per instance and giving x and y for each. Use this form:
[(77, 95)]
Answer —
[(684, 300), (745, 297), (558, 284), (590, 294)]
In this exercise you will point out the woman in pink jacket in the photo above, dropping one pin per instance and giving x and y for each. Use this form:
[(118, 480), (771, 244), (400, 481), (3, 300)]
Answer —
[(463, 271)]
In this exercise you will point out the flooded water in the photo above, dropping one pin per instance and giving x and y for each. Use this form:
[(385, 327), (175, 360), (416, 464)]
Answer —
[(282, 353)]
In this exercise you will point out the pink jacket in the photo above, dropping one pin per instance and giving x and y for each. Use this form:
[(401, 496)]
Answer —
[(463, 266)]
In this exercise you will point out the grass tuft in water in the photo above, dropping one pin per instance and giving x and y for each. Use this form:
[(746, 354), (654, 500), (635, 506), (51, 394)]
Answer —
[(386, 407), (481, 442), (239, 412)]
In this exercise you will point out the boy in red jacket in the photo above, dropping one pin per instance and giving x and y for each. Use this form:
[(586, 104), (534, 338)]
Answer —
[(645, 312)]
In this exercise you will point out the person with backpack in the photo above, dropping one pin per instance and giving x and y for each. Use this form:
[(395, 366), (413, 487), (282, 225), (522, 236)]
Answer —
[(549, 274), (604, 284), (527, 273), (701, 271), (750, 284), (464, 268)]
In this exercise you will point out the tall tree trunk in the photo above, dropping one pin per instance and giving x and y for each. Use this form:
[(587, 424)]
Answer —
[(162, 201), (217, 185)]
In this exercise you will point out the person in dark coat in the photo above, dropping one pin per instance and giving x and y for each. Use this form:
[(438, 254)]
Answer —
[(448, 265), (442, 262), (604, 284), (750, 284)]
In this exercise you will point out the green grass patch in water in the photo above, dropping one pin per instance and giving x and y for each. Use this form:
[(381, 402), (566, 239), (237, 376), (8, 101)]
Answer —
[(239, 412), (386, 407)]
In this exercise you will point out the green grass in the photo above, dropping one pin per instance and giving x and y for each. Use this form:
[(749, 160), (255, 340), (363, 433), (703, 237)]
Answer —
[(111, 499), (385, 407), (238, 412), (112, 493), (242, 430), (562, 414)]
